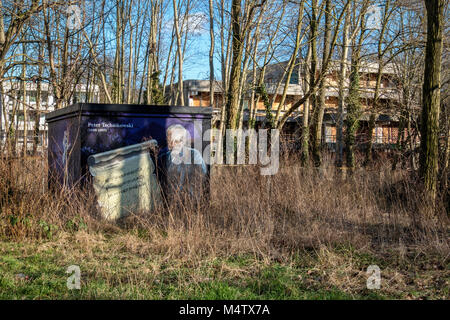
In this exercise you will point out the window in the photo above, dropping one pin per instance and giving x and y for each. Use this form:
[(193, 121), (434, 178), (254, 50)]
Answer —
[(81, 96), (330, 134), (44, 96), (20, 116), (385, 82), (378, 135), (294, 78), (31, 96)]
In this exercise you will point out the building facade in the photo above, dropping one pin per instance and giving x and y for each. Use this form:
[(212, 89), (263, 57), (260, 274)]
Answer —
[(384, 135), (19, 114)]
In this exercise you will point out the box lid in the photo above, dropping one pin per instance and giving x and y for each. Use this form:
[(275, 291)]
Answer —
[(126, 108)]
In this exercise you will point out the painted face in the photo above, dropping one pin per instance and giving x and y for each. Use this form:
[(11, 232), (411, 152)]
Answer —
[(176, 139)]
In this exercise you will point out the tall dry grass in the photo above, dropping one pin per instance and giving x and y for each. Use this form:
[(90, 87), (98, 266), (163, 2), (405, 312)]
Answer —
[(268, 216)]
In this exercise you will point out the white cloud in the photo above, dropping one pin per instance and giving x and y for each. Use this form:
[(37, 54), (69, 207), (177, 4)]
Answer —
[(196, 23)]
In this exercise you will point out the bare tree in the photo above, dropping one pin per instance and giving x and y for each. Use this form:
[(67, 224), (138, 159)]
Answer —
[(342, 86), (211, 53), (179, 52), (241, 22), (319, 108), (353, 99), (431, 96), (313, 88)]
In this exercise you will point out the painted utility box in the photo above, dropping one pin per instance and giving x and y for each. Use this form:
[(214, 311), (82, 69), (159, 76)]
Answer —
[(133, 155)]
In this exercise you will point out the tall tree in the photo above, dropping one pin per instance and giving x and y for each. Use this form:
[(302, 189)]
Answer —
[(353, 98), (179, 52), (211, 53), (384, 46), (313, 88), (241, 21), (342, 97), (429, 153), (319, 109), (292, 63)]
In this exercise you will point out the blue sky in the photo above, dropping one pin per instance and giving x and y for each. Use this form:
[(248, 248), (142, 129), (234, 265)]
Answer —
[(197, 67)]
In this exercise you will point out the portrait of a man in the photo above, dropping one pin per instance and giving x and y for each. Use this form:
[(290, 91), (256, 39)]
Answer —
[(180, 167)]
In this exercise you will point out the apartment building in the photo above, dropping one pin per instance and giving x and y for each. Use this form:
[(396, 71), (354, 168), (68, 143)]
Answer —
[(12, 116), (197, 94)]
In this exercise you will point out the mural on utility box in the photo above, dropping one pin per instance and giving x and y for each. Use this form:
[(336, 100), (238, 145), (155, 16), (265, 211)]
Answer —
[(138, 176), (134, 161)]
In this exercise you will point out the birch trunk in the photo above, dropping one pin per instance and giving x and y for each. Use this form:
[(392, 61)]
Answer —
[(180, 54), (342, 88), (24, 105), (211, 53)]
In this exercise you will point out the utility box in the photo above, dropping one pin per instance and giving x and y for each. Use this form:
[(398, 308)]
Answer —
[(133, 155)]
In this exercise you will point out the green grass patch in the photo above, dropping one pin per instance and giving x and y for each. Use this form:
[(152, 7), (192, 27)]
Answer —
[(38, 271)]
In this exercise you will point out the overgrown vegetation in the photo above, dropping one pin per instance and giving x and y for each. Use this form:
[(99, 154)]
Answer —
[(301, 234)]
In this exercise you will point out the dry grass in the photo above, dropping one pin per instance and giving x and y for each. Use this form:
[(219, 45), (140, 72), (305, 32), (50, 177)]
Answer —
[(245, 213), (297, 214)]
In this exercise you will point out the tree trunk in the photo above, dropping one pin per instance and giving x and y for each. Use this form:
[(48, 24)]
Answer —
[(312, 83), (232, 105), (319, 109), (24, 105), (342, 86), (353, 112), (304, 139), (38, 103), (211, 54), (431, 96), (374, 112), (292, 61), (353, 98), (180, 55)]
